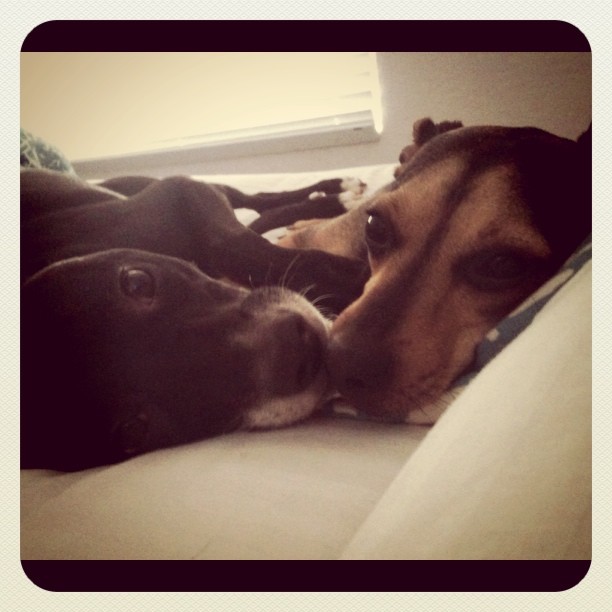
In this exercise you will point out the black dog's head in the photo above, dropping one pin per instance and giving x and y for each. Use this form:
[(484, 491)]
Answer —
[(124, 352)]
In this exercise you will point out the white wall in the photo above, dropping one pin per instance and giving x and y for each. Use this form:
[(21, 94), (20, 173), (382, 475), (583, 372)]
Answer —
[(547, 90)]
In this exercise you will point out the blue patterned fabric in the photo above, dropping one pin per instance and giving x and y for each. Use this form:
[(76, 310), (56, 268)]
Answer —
[(521, 317)]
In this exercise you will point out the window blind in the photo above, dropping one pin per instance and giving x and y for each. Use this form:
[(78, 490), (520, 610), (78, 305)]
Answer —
[(260, 96), (104, 110)]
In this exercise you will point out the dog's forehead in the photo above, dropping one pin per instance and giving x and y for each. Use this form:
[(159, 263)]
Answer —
[(493, 212), (534, 151), (445, 185), (451, 204), (443, 180), (485, 145)]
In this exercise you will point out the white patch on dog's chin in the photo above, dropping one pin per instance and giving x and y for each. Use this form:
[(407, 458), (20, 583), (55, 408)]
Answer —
[(432, 412), (271, 412), (281, 411)]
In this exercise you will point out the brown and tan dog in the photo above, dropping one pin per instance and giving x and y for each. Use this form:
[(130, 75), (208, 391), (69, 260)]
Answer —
[(475, 221)]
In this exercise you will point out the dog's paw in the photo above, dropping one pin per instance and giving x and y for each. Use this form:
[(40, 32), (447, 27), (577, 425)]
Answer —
[(350, 199), (316, 195), (353, 185)]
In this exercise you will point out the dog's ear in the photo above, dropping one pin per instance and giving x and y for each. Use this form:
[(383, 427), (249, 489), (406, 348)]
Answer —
[(423, 130), (129, 435), (585, 142), (585, 152)]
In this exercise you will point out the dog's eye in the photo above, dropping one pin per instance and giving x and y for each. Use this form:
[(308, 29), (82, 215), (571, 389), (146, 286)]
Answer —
[(495, 270), (130, 436), (137, 284), (379, 235)]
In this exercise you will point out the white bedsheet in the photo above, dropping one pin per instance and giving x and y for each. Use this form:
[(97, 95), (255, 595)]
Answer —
[(295, 493), (506, 471)]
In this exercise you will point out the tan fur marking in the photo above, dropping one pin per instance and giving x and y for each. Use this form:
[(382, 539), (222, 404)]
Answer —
[(445, 317)]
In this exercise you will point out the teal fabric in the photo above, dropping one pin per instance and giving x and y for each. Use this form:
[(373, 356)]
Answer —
[(36, 153)]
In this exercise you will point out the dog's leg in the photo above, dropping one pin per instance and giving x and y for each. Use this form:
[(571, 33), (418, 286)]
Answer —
[(128, 185), (178, 217), (199, 214), (324, 207), (264, 201), (322, 200)]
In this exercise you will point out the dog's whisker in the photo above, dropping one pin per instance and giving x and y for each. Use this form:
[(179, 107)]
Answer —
[(326, 311), (285, 277), (305, 290), (320, 298)]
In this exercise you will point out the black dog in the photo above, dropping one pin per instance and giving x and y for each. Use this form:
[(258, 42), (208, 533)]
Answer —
[(127, 347), (64, 217)]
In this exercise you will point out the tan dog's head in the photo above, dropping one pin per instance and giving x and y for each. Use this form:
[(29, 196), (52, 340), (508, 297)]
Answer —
[(477, 219)]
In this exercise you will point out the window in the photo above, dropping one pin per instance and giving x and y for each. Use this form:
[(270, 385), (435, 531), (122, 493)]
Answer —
[(260, 96), (96, 106)]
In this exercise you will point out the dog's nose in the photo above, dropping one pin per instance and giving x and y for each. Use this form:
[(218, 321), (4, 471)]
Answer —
[(301, 356), (355, 372)]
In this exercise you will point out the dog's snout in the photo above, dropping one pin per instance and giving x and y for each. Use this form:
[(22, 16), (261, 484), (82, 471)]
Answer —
[(302, 352), (355, 371), (291, 328)]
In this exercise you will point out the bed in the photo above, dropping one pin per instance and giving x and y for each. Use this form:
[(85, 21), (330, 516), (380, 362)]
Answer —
[(504, 472)]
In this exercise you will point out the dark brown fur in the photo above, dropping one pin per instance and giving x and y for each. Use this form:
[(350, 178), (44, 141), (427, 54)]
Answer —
[(129, 344)]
